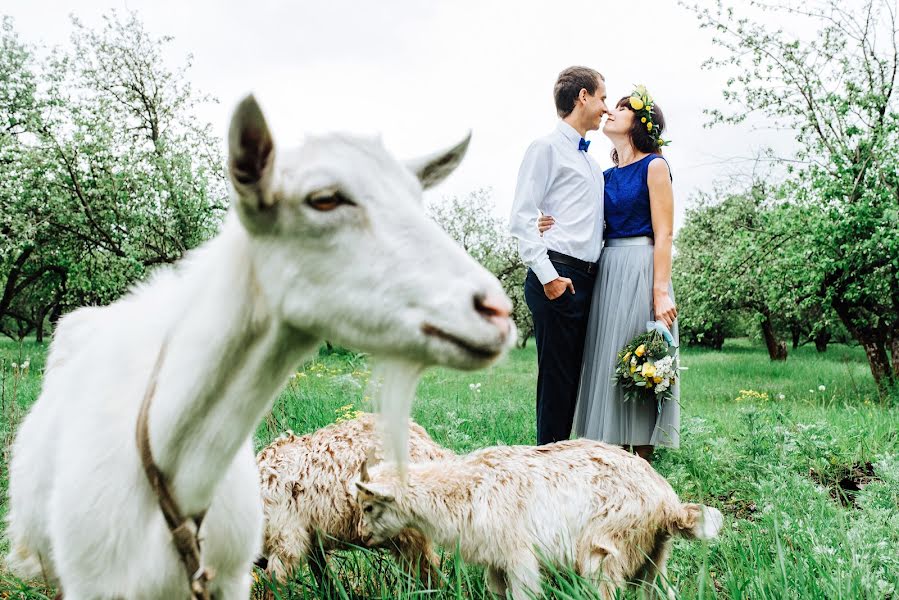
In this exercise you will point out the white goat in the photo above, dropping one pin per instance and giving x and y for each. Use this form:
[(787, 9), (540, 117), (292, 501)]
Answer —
[(580, 504), (308, 496), (329, 240)]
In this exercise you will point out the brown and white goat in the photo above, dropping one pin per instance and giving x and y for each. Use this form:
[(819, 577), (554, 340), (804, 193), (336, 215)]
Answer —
[(576, 504)]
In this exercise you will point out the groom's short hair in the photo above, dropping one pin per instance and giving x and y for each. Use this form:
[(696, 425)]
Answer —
[(569, 85)]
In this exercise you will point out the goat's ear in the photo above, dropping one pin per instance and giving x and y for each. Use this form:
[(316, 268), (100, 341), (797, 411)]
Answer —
[(434, 168), (251, 154), (369, 460), (374, 491)]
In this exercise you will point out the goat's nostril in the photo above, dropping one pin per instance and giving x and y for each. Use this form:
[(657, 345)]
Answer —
[(491, 306), (494, 309)]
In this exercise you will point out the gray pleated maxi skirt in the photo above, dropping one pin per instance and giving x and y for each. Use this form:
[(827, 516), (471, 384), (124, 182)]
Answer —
[(622, 304)]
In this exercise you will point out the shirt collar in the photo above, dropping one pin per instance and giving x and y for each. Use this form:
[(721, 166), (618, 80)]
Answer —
[(569, 132)]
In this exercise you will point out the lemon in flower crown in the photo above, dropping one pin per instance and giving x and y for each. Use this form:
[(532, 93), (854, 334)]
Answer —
[(641, 103)]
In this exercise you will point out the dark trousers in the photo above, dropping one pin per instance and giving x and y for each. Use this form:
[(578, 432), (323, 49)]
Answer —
[(560, 326)]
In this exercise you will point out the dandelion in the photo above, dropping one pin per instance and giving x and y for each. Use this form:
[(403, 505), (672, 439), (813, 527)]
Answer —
[(821, 388), (780, 396), (811, 391)]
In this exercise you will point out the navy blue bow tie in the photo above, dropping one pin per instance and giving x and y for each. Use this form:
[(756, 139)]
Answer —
[(583, 145)]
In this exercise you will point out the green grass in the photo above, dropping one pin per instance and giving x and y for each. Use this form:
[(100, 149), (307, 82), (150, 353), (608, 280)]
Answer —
[(774, 465)]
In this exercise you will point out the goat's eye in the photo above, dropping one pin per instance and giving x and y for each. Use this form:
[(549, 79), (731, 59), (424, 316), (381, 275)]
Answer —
[(327, 199), (368, 508)]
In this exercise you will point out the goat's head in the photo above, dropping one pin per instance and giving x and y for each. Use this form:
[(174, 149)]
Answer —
[(343, 250), (380, 514)]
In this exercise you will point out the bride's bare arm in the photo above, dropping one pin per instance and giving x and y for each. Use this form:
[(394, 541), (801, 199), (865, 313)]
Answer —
[(661, 205)]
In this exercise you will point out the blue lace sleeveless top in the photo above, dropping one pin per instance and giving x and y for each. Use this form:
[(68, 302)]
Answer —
[(626, 203)]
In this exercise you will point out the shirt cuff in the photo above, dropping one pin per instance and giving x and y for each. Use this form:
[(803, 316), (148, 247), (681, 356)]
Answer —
[(544, 270)]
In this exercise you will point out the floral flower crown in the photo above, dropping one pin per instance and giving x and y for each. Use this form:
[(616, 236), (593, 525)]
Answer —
[(641, 103)]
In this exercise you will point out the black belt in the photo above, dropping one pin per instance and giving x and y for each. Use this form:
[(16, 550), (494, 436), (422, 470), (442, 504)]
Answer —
[(589, 268)]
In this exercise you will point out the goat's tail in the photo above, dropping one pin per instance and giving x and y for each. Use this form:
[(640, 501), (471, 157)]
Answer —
[(697, 522)]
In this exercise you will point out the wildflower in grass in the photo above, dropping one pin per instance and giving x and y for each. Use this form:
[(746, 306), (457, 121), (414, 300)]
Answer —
[(475, 387), (780, 396), (347, 412), (752, 396), (821, 388)]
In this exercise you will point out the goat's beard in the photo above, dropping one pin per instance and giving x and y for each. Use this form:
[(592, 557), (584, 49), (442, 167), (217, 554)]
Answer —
[(394, 382)]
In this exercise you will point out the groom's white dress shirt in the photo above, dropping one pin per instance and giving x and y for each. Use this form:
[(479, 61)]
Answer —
[(559, 180)]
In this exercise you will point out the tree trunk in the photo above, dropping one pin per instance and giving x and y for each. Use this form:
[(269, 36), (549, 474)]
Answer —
[(523, 338), (896, 355), (797, 333), (822, 338), (777, 350), (874, 342), (55, 315), (881, 368)]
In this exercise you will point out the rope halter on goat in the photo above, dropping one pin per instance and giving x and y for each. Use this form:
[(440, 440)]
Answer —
[(185, 530)]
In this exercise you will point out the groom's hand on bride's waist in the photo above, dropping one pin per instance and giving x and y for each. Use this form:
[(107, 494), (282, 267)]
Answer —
[(556, 287)]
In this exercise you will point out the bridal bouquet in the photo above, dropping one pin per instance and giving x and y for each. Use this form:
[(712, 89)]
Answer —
[(648, 365)]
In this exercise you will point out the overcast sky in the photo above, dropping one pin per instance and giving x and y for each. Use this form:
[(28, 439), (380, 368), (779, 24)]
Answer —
[(423, 72)]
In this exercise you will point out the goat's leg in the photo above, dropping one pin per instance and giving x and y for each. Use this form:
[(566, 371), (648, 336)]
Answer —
[(496, 581), (599, 562), (524, 578), (414, 551), (655, 573)]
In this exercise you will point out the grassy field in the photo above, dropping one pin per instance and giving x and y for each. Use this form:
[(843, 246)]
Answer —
[(781, 449)]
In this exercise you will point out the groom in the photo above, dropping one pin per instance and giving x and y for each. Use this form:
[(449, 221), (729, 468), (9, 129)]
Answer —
[(557, 177)]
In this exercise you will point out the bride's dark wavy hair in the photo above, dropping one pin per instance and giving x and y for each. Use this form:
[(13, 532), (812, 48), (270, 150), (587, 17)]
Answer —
[(643, 140)]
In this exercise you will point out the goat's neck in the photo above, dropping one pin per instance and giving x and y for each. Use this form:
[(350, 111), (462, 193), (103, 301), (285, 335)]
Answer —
[(439, 503), (226, 358)]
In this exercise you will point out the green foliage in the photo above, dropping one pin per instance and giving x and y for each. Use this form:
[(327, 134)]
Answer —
[(104, 170), (836, 90), (741, 254), (470, 220)]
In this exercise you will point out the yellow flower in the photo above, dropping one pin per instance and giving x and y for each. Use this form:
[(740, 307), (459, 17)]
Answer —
[(641, 350), (649, 370), (643, 120), (633, 369), (649, 127), (626, 358), (657, 379), (636, 103)]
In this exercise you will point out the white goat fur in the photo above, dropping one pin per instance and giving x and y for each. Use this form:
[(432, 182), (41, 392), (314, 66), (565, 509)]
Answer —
[(367, 270), (308, 495), (576, 504)]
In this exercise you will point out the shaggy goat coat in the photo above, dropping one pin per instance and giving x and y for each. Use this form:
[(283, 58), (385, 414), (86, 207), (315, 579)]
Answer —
[(308, 499), (580, 504)]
